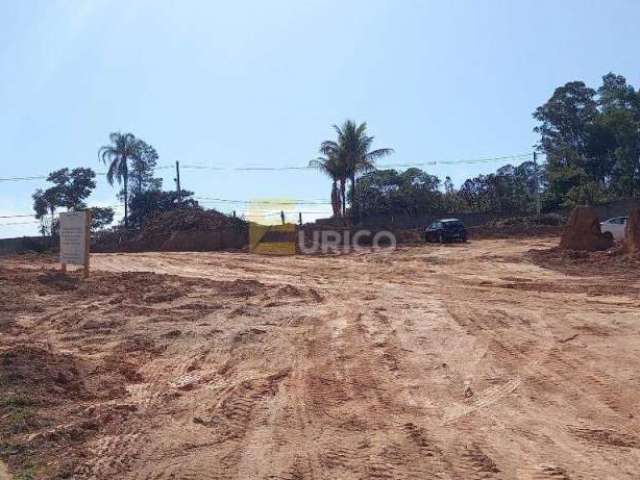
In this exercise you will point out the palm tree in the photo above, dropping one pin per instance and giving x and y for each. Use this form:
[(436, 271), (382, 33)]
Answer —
[(352, 149), (331, 151), (122, 149), (330, 166)]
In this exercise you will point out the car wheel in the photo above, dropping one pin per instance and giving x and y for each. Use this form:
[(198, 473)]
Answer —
[(608, 235)]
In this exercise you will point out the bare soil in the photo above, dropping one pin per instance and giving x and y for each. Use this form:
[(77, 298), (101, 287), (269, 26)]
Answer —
[(497, 359)]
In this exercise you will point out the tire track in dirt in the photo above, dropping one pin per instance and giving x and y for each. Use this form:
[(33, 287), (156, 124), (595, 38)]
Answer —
[(383, 366)]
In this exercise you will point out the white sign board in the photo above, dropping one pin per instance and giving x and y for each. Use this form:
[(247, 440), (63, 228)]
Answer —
[(74, 238)]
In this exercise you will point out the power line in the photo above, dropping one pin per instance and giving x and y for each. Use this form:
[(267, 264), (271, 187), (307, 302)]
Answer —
[(299, 167), (17, 216), (35, 177), (216, 201), (389, 165), (262, 202), (18, 179), (20, 223)]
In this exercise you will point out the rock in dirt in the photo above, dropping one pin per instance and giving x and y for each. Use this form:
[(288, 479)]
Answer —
[(468, 392), (632, 233), (583, 232)]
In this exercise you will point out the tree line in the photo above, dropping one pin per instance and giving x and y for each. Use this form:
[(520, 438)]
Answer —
[(131, 163), (589, 137)]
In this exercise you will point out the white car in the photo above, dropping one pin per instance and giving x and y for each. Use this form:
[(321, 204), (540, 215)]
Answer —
[(615, 226)]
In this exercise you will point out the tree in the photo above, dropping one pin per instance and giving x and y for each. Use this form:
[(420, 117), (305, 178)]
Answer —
[(330, 165), (448, 186), (619, 125), (69, 190), (101, 217), (353, 150), (337, 164), (616, 94), (45, 202), (142, 170), (451, 201), (117, 155), (147, 203), (389, 192), (73, 187), (592, 142), (565, 117)]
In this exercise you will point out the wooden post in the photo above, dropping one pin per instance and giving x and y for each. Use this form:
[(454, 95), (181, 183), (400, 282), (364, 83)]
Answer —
[(178, 186), (538, 202), (63, 268)]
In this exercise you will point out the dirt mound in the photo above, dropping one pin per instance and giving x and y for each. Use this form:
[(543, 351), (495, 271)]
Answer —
[(632, 234), (583, 232), (625, 269), (186, 220), (194, 241), (180, 230), (192, 230)]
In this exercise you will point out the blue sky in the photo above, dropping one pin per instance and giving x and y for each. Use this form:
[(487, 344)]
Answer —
[(245, 83)]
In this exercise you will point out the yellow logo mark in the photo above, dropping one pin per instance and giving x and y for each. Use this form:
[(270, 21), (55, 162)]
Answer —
[(269, 230)]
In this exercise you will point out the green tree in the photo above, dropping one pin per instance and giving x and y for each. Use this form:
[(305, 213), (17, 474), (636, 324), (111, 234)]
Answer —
[(101, 217), (149, 202), (143, 168), (619, 125), (567, 120), (592, 142), (389, 192), (45, 203), (330, 166), (353, 150), (69, 190), (616, 94), (337, 164), (124, 148), (73, 186)]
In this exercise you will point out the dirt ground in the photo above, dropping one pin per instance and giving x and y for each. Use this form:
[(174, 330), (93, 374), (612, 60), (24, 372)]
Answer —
[(476, 361)]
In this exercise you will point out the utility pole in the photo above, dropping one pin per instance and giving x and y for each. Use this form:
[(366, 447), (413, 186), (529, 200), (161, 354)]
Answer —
[(177, 179), (537, 174)]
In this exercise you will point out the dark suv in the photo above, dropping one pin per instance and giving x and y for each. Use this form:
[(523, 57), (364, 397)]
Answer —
[(445, 230)]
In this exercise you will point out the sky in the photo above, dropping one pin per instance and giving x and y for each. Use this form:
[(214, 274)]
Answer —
[(255, 83)]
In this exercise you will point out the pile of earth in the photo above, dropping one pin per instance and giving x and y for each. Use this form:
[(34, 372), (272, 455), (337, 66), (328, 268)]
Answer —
[(583, 232), (632, 234), (614, 262), (182, 230)]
